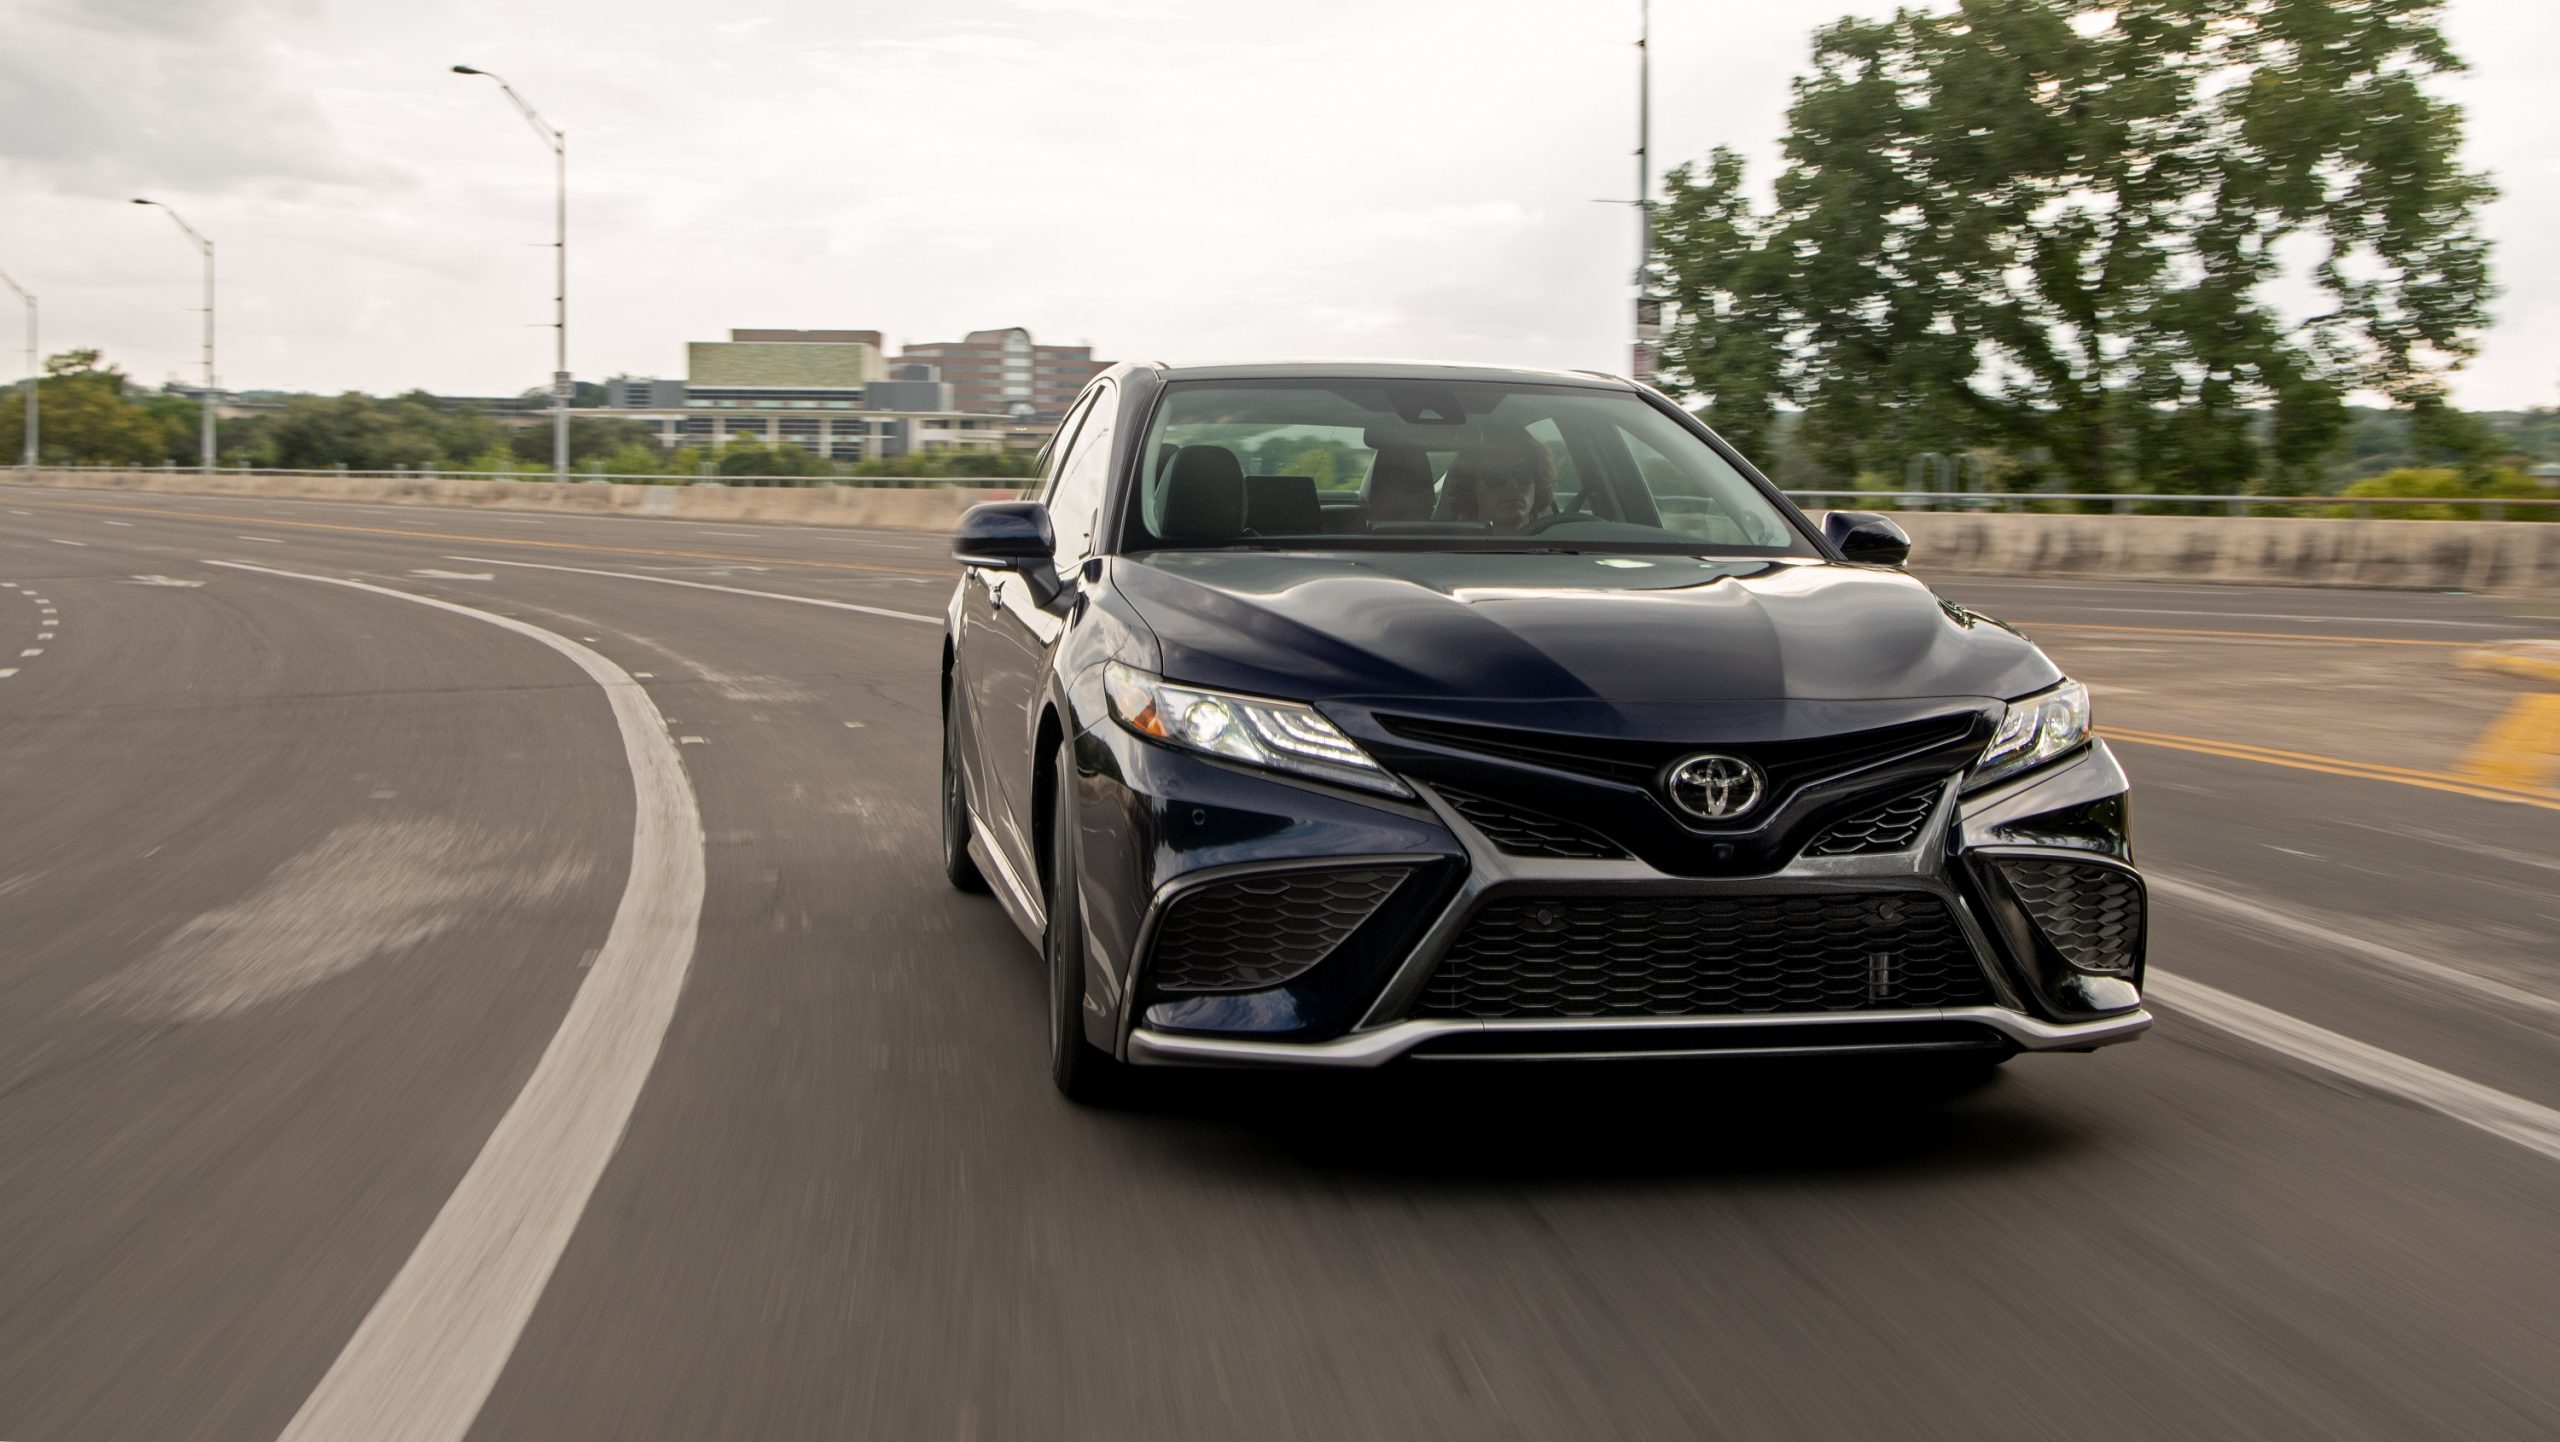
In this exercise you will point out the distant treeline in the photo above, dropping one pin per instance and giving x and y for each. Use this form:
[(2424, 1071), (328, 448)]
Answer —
[(92, 414)]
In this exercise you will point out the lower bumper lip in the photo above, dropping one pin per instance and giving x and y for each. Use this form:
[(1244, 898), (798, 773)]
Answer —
[(1859, 1032)]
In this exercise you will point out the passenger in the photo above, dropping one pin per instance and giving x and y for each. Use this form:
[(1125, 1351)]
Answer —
[(1507, 483)]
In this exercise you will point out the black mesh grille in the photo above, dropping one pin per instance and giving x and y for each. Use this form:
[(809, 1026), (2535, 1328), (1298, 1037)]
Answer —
[(1527, 833), (1260, 931), (2091, 914), (1705, 956), (1888, 826)]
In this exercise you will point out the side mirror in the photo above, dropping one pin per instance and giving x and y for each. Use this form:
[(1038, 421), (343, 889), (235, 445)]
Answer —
[(1011, 536), (1004, 535), (1864, 537)]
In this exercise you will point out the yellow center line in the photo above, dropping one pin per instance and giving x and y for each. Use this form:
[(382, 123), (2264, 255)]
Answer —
[(2339, 766), (497, 540), (2236, 635)]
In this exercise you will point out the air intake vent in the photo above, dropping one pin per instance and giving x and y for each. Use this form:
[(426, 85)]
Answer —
[(1889, 826), (1259, 931), (2091, 914), (1528, 833), (1585, 956)]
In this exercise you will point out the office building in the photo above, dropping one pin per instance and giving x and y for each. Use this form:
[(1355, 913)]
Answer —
[(1003, 372)]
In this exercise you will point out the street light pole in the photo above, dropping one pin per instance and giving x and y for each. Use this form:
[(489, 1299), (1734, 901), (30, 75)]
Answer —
[(1648, 304), (206, 458), (34, 377), (558, 140)]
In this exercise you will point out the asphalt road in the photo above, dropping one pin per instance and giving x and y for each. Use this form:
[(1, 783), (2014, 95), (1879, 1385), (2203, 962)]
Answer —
[(308, 892)]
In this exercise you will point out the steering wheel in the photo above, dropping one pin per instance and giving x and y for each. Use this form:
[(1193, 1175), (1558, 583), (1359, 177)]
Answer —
[(1538, 524)]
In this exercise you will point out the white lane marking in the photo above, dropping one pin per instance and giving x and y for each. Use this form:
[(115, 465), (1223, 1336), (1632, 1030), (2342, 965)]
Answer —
[(126, 524), (707, 586), (2250, 912), (270, 540), (57, 540), (690, 741), (161, 581), (31, 651), (435, 575), (422, 1362), (44, 635), (7, 671), (645, 675), (2527, 1124), (16, 512)]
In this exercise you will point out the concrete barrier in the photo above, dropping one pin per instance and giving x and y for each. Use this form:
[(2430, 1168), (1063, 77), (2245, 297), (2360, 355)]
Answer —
[(2500, 557), (892, 508)]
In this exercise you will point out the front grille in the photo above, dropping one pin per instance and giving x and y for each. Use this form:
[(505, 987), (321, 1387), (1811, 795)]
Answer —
[(1258, 931), (1705, 956), (1639, 763), (1888, 826), (1529, 833), (2091, 914)]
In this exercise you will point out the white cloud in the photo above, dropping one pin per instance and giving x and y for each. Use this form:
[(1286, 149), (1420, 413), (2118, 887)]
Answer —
[(1164, 178)]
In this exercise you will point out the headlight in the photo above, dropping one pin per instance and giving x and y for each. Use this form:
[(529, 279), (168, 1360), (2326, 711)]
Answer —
[(1281, 735), (2035, 731)]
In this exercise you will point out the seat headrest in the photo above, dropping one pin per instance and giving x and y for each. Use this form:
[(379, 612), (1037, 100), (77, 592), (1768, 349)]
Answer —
[(1400, 484), (1204, 495), (1282, 506)]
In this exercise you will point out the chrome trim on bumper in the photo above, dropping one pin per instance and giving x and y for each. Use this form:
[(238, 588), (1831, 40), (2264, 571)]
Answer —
[(1384, 1044)]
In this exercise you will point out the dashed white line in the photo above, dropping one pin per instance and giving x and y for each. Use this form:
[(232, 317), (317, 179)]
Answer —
[(7, 671), (126, 524), (422, 1362), (31, 651), (707, 586), (57, 540), (2527, 1124), (270, 540)]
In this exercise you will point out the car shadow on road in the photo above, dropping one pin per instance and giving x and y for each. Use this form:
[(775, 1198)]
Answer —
[(1468, 1125)]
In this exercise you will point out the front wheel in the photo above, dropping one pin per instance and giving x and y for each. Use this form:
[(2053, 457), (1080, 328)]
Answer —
[(1083, 1071), (956, 863)]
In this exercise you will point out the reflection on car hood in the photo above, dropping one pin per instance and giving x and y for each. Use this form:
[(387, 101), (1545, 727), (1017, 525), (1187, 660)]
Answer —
[(1618, 630)]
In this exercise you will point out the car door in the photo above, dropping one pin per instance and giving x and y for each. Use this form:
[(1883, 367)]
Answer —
[(1021, 634), (981, 654)]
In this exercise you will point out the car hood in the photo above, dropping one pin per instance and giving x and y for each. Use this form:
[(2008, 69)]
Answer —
[(1620, 633)]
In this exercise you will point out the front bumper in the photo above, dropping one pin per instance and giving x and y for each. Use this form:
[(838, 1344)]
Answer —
[(1365, 1007), (1944, 1029)]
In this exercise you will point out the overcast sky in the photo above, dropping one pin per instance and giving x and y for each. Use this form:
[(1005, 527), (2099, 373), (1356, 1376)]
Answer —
[(1167, 179)]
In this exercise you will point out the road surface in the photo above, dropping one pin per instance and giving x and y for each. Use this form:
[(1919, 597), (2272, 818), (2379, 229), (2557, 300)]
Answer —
[(322, 957)]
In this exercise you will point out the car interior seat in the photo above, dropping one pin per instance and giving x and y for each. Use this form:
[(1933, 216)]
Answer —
[(1282, 506), (1204, 496)]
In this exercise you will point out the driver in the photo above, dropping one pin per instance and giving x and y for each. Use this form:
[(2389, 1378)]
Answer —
[(1507, 482)]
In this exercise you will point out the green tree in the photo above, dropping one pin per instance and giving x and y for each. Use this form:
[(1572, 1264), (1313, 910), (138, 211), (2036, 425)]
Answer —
[(86, 417), (2057, 225)]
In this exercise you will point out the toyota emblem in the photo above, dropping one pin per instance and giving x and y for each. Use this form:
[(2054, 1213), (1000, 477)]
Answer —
[(1715, 788)]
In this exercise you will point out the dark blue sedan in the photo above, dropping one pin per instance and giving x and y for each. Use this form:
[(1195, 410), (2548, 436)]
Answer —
[(1326, 715)]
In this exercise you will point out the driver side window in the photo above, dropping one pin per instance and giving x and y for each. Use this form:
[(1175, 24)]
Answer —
[(1074, 496)]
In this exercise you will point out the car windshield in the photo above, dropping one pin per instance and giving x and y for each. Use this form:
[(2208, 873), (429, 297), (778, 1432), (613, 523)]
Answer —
[(1440, 465)]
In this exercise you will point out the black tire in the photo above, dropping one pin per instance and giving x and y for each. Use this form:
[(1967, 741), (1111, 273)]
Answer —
[(956, 863), (1082, 1071)]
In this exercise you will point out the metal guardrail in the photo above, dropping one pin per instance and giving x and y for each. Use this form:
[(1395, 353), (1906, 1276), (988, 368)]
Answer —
[(1000, 483), (2491, 508)]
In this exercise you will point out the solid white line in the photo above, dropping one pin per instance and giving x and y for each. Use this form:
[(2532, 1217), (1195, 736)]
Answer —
[(707, 586), (422, 1362), (2266, 918), (2288, 616), (2527, 1124)]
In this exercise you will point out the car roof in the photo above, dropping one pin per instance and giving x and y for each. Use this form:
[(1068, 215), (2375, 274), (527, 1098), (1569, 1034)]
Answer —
[(1367, 370)]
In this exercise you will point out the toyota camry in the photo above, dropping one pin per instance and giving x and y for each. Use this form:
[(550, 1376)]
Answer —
[(1338, 715)]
